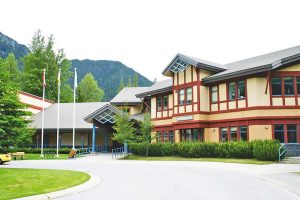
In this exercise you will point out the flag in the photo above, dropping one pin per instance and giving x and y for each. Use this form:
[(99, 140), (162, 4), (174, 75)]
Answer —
[(75, 79), (44, 78), (58, 78)]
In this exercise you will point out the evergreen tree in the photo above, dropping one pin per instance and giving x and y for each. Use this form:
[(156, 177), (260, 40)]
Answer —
[(14, 129), (129, 83), (42, 56), (88, 90), (121, 85), (12, 65), (125, 132), (135, 80), (145, 129)]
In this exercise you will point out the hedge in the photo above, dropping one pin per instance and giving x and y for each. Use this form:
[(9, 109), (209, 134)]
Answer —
[(260, 150)]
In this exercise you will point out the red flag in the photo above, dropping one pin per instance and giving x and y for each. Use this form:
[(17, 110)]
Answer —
[(44, 78)]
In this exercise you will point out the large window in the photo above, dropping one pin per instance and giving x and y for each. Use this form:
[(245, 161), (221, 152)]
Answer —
[(171, 136), (181, 97), (243, 133), (189, 96), (158, 137), (292, 133), (214, 94), (233, 133), (224, 135), (192, 135), (279, 132), (241, 90), (165, 102), (231, 91), (288, 86), (166, 136), (298, 85), (276, 86), (159, 103)]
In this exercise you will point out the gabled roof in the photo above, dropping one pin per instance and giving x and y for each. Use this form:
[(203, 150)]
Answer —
[(157, 88), (127, 96), (180, 62), (106, 114), (66, 115), (262, 63)]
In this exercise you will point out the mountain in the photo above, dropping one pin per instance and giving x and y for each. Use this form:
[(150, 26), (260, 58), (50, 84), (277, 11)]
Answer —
[(108, 74), (8, 45)]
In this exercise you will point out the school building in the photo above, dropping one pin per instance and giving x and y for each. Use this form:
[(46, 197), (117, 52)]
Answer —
[(252, 99)]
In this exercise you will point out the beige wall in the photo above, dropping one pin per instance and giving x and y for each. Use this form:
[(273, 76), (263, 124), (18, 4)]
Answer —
[(204, 98), (260, 132), (177, 136), (153, 107), (136, 109), (211, 134), (292, 68), (256, 92), (222, 92)]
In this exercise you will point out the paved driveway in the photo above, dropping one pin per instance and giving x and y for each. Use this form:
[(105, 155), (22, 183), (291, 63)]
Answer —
[(143, 180)]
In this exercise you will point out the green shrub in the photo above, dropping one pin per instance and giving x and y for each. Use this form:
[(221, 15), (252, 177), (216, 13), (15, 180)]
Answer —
[(155, 149), (138, 149), (265, 149), (38, 150), (168, 149)]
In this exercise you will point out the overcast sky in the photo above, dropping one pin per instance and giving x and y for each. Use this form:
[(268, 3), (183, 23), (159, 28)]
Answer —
[(146, 34)]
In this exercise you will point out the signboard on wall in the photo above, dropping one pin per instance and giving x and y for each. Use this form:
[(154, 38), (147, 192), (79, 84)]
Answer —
[(184, 118)]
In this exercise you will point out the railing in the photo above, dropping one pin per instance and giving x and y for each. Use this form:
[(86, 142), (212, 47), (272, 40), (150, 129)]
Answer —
[(118, 153), (83, 151), (281, 153)]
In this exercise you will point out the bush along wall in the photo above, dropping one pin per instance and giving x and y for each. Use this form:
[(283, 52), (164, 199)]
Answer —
[(37, 150), (261, 150)]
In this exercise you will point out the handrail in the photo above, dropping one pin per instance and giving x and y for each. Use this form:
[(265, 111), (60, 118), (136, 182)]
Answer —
[(118, 153), (281, 153)]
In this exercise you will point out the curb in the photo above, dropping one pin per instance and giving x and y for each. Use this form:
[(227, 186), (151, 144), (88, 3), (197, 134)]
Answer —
[(93, 182)]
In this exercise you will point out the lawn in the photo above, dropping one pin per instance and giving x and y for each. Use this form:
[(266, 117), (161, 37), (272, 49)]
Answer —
[(175, 158), (16, 183), (297, 173), (29, 156)]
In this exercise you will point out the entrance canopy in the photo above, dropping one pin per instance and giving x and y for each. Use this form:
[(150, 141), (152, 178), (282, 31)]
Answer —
[(104, 115)]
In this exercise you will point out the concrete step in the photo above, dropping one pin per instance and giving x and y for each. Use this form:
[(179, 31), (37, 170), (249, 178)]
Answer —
[(291, 160)]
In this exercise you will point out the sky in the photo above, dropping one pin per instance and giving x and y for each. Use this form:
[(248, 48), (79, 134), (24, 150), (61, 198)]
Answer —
[(146, 34)]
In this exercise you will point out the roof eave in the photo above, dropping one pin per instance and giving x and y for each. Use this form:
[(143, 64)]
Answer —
[(154, 92), (238, 74), (126, 103)]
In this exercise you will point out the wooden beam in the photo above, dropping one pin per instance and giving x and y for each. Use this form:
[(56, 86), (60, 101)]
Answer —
[(267, 84)]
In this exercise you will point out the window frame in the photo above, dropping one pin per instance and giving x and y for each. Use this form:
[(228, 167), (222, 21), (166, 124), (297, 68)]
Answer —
[(236, 88), (181, 101), (216, 92), (189, 100)]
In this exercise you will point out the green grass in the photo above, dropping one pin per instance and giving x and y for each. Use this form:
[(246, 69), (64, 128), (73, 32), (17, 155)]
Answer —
[(175, 158), (29, 156), (16, 183), (297, 173)]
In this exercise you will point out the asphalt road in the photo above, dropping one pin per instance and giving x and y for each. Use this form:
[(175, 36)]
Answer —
[(143, 180)]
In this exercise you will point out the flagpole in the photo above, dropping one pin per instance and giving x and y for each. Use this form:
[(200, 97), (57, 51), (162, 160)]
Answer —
[(58, 100), (43, 114), (75, 86)]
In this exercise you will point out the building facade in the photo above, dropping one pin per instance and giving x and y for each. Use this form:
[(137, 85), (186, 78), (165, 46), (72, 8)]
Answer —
[(253, 99)]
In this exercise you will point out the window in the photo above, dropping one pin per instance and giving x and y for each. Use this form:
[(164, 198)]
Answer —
[(243, 133), (292, 133), (171, 136), (165, 102), (214, 94), (181, 97), (276, 86), (201, 136), (298, 85), (241, 89), (233, 134), (224, 135), (158, 137), (288, 86), (231, 91), (189, 96), (195, 134), (279, 132), (166, 136), (159, 103), (188, 136)]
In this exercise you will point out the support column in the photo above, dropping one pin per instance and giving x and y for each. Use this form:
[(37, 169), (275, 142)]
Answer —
[(94, 137), (105, 141)]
